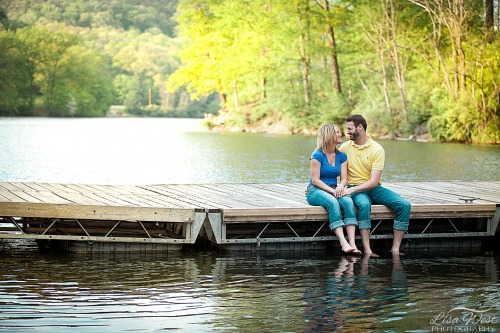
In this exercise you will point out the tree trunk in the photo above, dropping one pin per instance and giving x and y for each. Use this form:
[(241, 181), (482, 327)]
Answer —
[(305, 60), (333, 53), (399, 67), (223, 101), (489, 20), (235, 94), (263, 93)]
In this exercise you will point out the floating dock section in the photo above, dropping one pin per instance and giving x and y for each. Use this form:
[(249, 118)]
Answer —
[(86, 217)]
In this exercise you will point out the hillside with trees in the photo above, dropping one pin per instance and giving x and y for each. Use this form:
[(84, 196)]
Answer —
[(412, 67), (77, 58)]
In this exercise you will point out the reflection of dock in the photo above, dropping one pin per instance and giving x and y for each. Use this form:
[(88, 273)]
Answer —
[(237, 216)]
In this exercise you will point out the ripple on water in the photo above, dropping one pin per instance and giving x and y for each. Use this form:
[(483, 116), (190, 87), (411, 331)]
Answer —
[(212, 292)]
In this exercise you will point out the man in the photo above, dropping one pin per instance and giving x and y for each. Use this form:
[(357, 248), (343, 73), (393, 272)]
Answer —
[(366, 159)]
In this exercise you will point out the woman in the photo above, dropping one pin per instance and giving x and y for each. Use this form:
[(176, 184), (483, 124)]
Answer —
[(327, 163)]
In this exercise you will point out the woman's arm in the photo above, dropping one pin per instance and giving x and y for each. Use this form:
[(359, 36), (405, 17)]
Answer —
[(339, 191), (315, 174)]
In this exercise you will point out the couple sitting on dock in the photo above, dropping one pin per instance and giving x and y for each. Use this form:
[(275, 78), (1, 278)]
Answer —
[(359, 163)]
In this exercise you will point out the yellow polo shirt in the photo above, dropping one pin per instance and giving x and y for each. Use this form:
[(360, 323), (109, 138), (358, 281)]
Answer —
[(362, 159)]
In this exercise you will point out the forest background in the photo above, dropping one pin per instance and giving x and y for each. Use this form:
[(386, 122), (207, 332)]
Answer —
[(412, 67)]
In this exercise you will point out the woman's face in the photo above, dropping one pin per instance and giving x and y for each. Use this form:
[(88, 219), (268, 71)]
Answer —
[(339, 135)]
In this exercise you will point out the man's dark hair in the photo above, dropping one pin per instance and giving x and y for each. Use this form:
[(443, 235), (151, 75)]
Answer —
[(357, 119)]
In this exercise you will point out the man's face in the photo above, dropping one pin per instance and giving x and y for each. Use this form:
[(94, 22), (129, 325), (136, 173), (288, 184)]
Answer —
[(352, 131)]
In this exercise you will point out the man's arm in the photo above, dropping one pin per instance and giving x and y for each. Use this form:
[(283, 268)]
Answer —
[(369, 184)]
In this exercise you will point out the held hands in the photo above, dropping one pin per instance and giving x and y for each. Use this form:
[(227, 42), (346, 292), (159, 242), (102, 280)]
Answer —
[(341, 191)]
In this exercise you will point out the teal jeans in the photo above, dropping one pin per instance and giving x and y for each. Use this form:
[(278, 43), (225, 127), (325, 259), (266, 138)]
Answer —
[(380, 195), (318, 197)]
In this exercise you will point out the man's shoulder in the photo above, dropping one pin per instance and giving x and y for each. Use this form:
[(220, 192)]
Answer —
[(345, 145), (375, 144)]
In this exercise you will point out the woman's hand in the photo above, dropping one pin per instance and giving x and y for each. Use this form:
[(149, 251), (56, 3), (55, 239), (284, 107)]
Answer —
[(339, 191)]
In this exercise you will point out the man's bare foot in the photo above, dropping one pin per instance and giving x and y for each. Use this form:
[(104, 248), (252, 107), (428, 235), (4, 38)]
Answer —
[(397, 253)]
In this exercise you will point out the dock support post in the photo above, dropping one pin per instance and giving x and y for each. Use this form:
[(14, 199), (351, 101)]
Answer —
[(199, 217), (493, 222), (215, 224)]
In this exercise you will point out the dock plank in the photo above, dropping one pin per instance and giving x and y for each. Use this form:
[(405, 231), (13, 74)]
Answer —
[(170, 194), (27, 196), (202, 196), (73, 211), (438, 192), (311, 213), (269, 197), (92, 195), (35, 186), (257, 196), (235, 196), (50, 198), (11, 196), (190, 195)]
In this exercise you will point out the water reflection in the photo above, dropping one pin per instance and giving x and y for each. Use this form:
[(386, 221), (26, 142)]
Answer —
[(214, 292), (357, 302)]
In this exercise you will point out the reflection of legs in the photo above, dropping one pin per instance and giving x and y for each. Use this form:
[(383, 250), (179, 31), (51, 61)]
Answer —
[(363, 203), (396, 263), (346, 267), (364, 264)]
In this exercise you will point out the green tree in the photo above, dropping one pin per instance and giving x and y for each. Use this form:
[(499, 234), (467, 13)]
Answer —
[(85, 81), (15, 76), (66, 72)]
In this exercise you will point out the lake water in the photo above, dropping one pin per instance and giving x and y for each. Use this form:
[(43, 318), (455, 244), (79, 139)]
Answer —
[(446, 290), (152, 151)]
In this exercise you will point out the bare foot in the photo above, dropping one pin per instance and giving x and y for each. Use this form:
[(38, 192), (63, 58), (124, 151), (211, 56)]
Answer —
[(371, 255), (356, 250), (397, 253), (348, 249)]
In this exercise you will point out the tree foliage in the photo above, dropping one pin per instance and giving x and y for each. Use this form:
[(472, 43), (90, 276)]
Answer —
[(52, 71), (410, 66), (102, 46), (403, 63)]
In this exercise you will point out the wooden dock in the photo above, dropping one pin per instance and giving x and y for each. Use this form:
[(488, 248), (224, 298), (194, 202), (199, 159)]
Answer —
[(228, 215)]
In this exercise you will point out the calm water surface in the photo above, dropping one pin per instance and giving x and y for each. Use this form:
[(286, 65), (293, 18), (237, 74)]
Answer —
[(152, 151), (211, 292), (196, 291)]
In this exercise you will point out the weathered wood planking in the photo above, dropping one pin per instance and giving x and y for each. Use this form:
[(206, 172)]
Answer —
[(95, 212), (167, 202), (239, 215)]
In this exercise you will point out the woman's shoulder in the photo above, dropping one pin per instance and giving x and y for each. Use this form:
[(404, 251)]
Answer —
[(317, 152), (318, 155)]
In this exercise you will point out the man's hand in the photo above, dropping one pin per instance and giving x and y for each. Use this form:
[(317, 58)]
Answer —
[(347, 191)]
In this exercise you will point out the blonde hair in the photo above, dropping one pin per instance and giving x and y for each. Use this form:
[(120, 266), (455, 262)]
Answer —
[(326, 138)]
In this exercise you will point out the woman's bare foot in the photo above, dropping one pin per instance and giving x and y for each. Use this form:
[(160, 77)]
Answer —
[(348, 249), (371, 254), (356, 250)]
